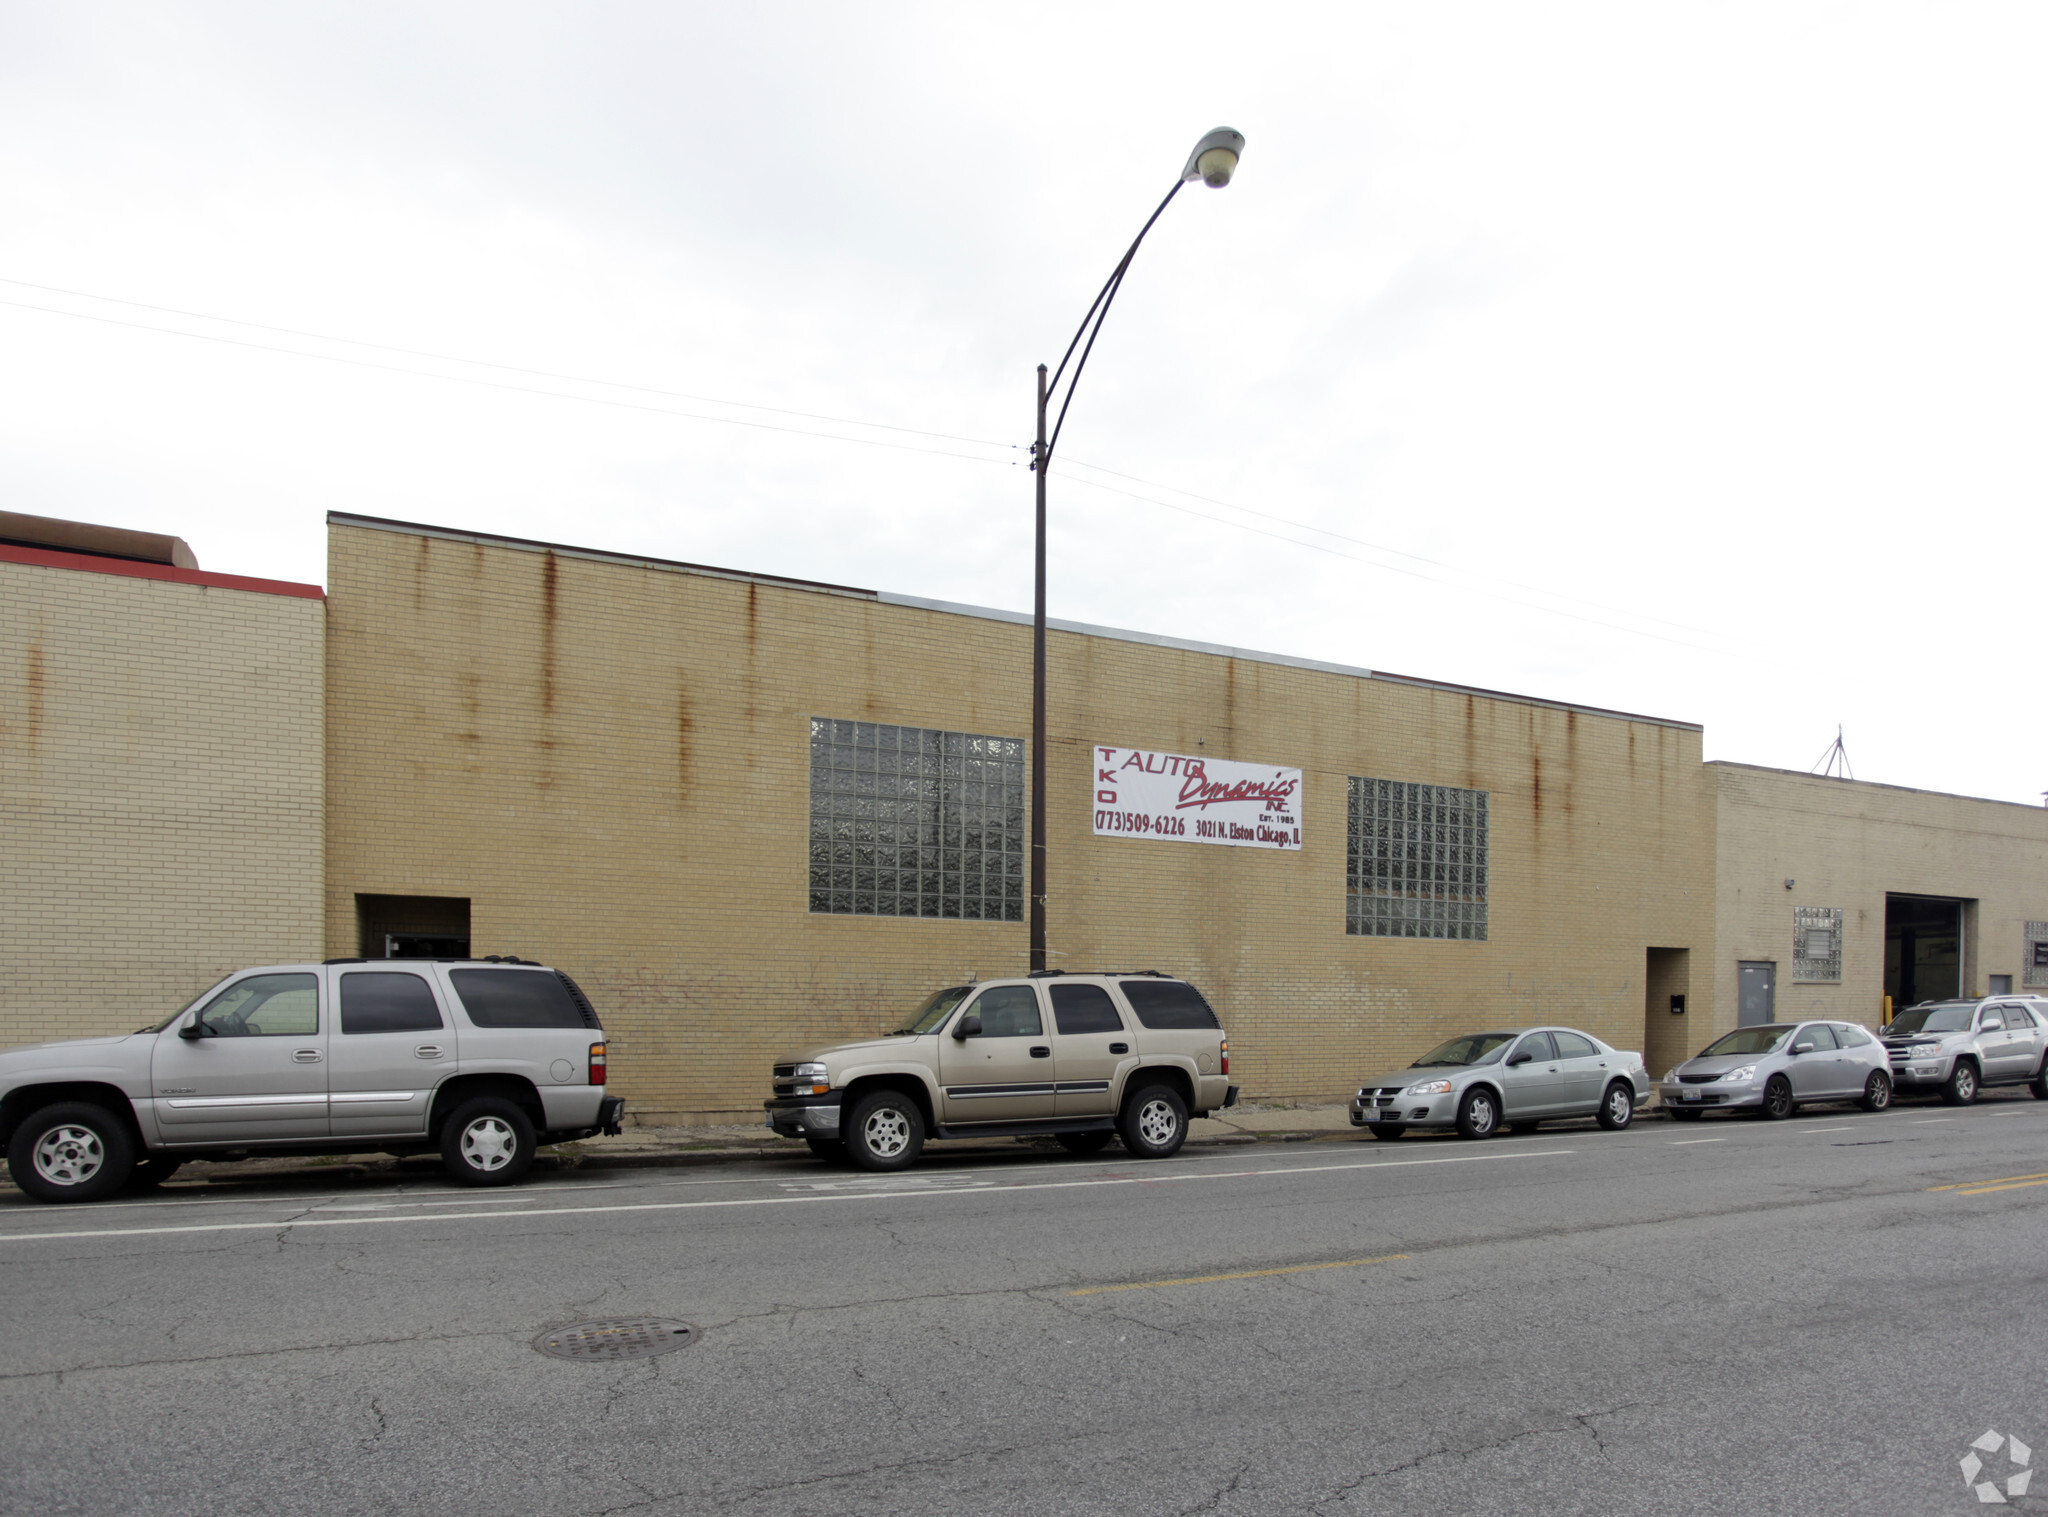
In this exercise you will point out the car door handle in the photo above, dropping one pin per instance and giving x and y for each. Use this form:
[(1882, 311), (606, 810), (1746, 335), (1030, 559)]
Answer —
[(305, 1056), (1040, 1051), (427, 1051), (1119, 1048)]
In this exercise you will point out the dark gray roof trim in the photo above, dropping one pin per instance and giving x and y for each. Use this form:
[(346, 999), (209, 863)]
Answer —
[(984, 613)]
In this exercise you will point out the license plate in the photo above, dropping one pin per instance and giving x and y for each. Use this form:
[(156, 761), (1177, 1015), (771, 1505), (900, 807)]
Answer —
[(1688, 1095)]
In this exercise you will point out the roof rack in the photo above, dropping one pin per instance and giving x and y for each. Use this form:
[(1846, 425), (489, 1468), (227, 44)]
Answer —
[(1129, 974), (344, 961)]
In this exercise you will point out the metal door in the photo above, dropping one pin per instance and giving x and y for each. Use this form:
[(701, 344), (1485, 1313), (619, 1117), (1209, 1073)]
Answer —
[(2026, 1041), (1005, 1072), (1583, 1072), (391, 1046), (1815, 1073), (2003, 1050), (1089, 1043), (1534, 1088), (1757, 1000), (259, 1071)]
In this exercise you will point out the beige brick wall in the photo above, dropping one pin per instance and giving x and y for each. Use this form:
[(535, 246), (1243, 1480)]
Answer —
[(612, 762), (1845, 843), (160, 793)]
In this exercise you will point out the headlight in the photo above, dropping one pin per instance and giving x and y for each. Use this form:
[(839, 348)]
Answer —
[(1927, 1051), (1737, 1076), (1671, 1075), (811, 1080), (1429, 1088)]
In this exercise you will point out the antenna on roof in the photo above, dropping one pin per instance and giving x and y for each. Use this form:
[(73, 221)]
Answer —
[(1835, 762)]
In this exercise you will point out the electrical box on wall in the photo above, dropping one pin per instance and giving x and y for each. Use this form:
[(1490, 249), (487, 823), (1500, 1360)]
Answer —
[(1678, 1005)]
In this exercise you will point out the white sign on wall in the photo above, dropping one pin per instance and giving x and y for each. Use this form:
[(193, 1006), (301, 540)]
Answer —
[(1184, 799)]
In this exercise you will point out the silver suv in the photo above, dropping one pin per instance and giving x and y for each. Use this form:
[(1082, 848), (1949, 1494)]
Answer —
[(1958, 1047), (479, 1059), (1082, 1058)]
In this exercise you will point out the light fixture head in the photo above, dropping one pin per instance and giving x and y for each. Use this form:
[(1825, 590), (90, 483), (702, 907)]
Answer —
[(1215, 157)]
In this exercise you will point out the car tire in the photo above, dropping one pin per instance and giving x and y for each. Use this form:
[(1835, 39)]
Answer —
[(1387, 1132), (885, 1132), (1960, 1088), (1523, 1129), (1877, 1091), (1479, 1114), (487, 1141), (1083, 1142), (1683, 1114), (1778, 1102), (831, 1150), (2039, 1086), (1154, 1123), (1617, 1107), (71, 1151), (152, 1172)]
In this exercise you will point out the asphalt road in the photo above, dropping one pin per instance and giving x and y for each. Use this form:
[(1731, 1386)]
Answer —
[(1815, 1316)]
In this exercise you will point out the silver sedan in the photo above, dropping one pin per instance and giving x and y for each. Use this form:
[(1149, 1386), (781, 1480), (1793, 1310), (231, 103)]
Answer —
[(1775, 1067), (1519, 1077)]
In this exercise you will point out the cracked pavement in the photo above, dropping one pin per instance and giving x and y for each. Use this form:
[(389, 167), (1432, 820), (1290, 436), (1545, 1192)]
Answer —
[(1789, 1318)]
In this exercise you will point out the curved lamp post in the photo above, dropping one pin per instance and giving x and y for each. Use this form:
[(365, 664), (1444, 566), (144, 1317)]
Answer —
[(1213, 161)]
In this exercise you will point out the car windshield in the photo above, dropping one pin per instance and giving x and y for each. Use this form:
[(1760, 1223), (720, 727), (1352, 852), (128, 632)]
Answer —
[(934, 1011), (167, 1021), (1473, 1048), (1747, 1040), (1934, 1018)]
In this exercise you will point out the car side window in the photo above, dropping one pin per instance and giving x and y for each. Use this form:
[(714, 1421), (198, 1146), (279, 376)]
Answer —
[(1009, 1011), (2019, 1018), (265, 1006), (1571, 1046), (1992, 1020), (374, 1001), (1537, 1046), (1818, 1034), (1852, 1037), (1082, 1009)]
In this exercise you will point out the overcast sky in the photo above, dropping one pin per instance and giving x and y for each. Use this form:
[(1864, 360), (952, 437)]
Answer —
[(1683, 359)]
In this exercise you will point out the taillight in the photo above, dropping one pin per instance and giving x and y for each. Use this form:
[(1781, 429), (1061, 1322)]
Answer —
[(597, 1063), (1226, 1056)]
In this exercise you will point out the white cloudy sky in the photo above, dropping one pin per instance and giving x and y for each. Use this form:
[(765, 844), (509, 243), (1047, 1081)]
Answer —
[(1682, 359)]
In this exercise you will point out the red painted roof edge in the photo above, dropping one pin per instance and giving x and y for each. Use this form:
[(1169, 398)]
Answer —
[(129, 568)]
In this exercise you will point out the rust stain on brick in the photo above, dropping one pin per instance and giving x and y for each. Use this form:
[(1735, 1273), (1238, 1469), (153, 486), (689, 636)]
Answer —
[(684, 726), (38, 684), (419, 575), (550, 572)]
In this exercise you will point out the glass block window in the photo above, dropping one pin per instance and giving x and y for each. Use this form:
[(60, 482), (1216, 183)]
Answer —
[(2034, 966), (914, 822), (1416, 861), (1817, 945)]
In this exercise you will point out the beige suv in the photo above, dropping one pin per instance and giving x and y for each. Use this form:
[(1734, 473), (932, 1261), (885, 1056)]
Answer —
[(1082, 1058)]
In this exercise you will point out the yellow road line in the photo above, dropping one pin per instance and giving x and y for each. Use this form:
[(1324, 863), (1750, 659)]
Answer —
[(1249, 1274), (2001, 1180), (1985, 1190)]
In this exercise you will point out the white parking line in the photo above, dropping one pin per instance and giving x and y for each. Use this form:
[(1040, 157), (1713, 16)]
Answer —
[(1827, 1129), (813, 1200), (1923, 1121), (1688, 1142)]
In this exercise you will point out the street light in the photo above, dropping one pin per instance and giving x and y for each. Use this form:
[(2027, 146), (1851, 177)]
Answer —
[(1213, 161)]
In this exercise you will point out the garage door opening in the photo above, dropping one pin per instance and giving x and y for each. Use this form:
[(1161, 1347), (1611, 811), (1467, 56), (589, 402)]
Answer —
[(1923, 948), (412, 926)]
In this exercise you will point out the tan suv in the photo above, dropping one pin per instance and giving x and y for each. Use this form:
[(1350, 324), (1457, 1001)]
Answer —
[(1078, 1057)]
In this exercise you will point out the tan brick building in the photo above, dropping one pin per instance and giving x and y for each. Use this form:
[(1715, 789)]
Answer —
[(606, 763), (160, 776)]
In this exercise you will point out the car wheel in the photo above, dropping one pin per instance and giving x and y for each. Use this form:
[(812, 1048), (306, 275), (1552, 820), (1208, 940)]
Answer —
[(2040, 1083), (1960, 1088), (1523, 1129), (1877, 1091), (886, 1131), (1083, 1142), (1683, 1114), (1478, 1114), (1778, 1102), (831, 1150), (152, 1172), (1386, 1132), (1154, 1123), (1617, 1107), (72, 1151), (487, 1141)]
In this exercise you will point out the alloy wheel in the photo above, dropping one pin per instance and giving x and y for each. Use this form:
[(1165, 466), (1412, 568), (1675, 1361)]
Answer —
[(69, 1155), (488, 1144), (886, 1132), (1157, 1123)]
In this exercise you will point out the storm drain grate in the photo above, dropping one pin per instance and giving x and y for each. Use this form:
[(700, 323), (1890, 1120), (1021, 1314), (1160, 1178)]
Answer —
[(619, 1338)]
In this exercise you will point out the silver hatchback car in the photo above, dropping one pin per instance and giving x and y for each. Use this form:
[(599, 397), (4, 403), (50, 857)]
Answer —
[(1775, 1067), (1519, 1077)]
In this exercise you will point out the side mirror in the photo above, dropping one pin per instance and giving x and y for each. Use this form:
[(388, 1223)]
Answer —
[(1802, 1048), (967, 1027), (1520, 1056), (192, 1030)]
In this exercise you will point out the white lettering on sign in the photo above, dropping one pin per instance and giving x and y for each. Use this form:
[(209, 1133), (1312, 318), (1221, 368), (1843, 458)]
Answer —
[(1141, 793)]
